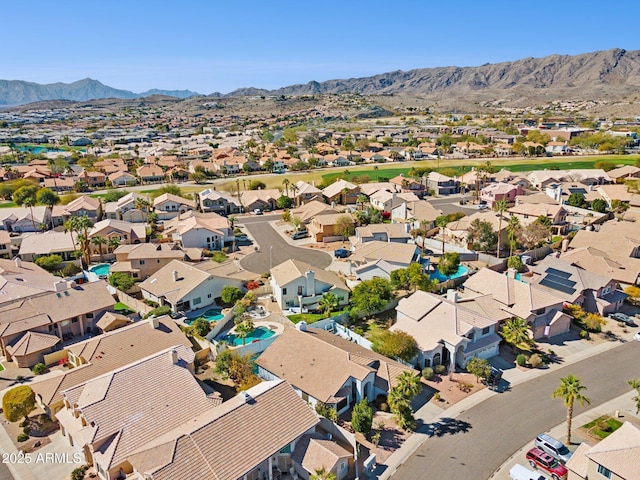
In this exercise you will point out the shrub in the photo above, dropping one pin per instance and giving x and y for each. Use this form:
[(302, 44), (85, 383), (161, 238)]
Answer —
[(516, 263), (521, 360), (593, 322), (78, 473), (384, 407), (326, 411), (362, 417), (23, 437), (159, 311), (535, 360), (49, 262), (18, 402), (380, 399), (427, 373), (121, 280), (26, 430), (231, 294), (439, 369), (201, 327), (252, 285), (449, 263), (465, 387), (218, 256), (71, 269), (396, 345), (39, 369)]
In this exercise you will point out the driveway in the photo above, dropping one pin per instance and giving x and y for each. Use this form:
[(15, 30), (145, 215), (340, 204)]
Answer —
[(476, 443), (273, 249)]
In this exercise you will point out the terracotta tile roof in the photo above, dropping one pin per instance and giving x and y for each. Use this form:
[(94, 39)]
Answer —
[(391, 252), (110, 351), (310, 210), (292, 269), (230, 440), (337, 187), (619, 452), (111, 320), (32, 342), (84, 202), (168, 197), (314, 452), (162, 283)]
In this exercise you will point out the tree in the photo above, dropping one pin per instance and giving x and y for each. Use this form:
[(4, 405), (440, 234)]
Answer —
[(198, 177), (599, 205), (362, 417), (570, 391), (169, 188), (449, 263), (114, 195), (400, 396), (284, 202), (143, 205), (634, 294), (113, 243), (396, 344), (257, 185), (442, 222), (83, 224), (513, 229), (533, 235), (344, 226), (47, 197), (371, 295), (362, 200), (18, 402), (230, 294), (49, 262), (121, 280), (635, 384), (328, 303), (99, 241), (515, 262), (71, 226), (479, 367), (576, 199), (26, 196), (322, 474), (500, 207), (515, 332), (201, 326), (480, 235), (237, 368), (244, 328), (286, 183)]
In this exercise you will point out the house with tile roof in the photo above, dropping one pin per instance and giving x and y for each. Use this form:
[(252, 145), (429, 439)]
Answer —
[(538, 307), (296, 283), (262, 199), (341, 192), (126, 208), (500, 191), (150, 173), (398, 254), (24, 219), (614, 457), (442, 184), (168, 206), (383, 232), (250, 436), (199, 230), (327, 226), (305, 192), (386, 201), (144, 259), (21, 280), (420, 214), (619, 175), (211, 200), (5, 244), (107, 352), (310, 210), (121, 178), (450, 332), (325, 368), (626, 272), (35, 245), (314, 452)]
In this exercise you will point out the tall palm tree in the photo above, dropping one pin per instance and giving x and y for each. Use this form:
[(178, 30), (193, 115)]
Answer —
[(515, 332), (328, 302), (70, 226), (500, 207), (99, 241), (286, 183), (570, 391), (361, 200), (375, 169), (441, 222), (143, 205), (83, 224), (114, 242), (408, 384), (513, 227), (294, 189)]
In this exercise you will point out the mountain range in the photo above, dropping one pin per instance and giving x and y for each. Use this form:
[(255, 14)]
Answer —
[(604, 75), (19, 92)]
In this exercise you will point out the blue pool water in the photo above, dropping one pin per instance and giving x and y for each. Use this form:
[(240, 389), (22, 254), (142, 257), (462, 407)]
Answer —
[(259, 333), (101, 270), (38, 150), (213, 315), (462, 270)]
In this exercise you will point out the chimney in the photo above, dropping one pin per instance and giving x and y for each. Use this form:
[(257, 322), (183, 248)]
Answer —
[(310, 282), (154, 322), (18, 262), (174, 356), (511, 272), (59, 286), (544, 212), (452, 295), (174, 274)]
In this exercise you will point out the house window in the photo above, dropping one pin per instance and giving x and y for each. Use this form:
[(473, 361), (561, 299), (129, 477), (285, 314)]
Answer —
[(486, 330), (209, 296), (135, 275), (74, 320), (197, 301), (606, 290), (141, 262), (540, 311), (89, 315), (605, 472), (300, 290), (284, 291)]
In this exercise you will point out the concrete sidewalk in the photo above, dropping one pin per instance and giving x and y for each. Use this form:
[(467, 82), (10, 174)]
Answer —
[(430, 413)]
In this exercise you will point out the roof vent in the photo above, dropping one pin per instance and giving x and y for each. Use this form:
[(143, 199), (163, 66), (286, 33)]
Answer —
[(245, 397), (18, 261)]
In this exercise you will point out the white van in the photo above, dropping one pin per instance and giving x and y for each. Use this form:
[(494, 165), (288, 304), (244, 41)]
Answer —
[(518, 472)]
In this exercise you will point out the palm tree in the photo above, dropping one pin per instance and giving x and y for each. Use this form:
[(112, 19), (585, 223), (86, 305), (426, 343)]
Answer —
[(99, 241), (513, 227), (322, 474), (83, 224), (408, 384), (500, 207), (346, 173), (114, 242), (244, 328), (70, 226), (361, 200), (286, 183), (441, 222), (570, 391), (294, 189), (375, 169), (328, 303), (515, 332), (142, 205)]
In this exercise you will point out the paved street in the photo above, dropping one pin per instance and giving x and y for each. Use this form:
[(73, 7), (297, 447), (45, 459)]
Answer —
[(451, 204), (480, 439), (274, 249)]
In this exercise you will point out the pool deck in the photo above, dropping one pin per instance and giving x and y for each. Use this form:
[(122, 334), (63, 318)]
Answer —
[(277, 328)]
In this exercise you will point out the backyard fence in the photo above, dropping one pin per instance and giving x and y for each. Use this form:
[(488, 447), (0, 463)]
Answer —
[(139, 306)]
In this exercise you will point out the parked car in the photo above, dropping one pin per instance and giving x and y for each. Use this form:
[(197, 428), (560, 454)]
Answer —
[(257, 211), (494, 377), (553, 447), (518, 472), (539, 459), (636, 337), (621, 317), (341, 253), (300, 234), (482, 205)]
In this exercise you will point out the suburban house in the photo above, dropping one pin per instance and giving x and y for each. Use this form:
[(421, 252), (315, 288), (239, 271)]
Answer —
[(127, 208), (619, 175), (616, 456), (24, 219), (406, 184), (105, 353), (260, 199), (538, 307), (419, 214), (325, 368), (370, 188), (500, 191), (341, 192), (60, 184), (386, 201), (210, 200), (144, 259), (122, 178), (92, 179), (21, 280), (305, 192), (593, 292), (398, 254), (618, 192), (150, 173), (529, 212), (60, 315), (328, 227), (168, 206), (199, 230), (374, 269), (127, 233), (383, 232), (598, 261), (458, 230), (83, 206), (184, 287), (441, 184), (5, 244), (312, 209), (296, 283), (36, 245), (253, 437), (449, 332)]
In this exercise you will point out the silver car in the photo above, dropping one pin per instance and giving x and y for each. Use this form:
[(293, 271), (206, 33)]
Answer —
[(553, 447)]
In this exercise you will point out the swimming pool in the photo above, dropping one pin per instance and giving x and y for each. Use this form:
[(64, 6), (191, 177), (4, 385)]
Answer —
[(101, 270), (462, 270), (260, 333), (213, 315)]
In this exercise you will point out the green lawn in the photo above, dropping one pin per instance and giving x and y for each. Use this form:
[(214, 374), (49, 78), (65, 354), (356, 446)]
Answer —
[(1, 367), (312, 317), (8, 205), (122, 308), (596, 427)]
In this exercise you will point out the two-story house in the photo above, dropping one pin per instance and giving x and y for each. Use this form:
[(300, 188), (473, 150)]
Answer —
[(442, 184), (210, 200), (144, 259), (168, 206)]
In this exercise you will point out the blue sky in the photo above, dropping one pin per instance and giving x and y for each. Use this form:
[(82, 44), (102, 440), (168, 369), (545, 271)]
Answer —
[(217, 45)]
